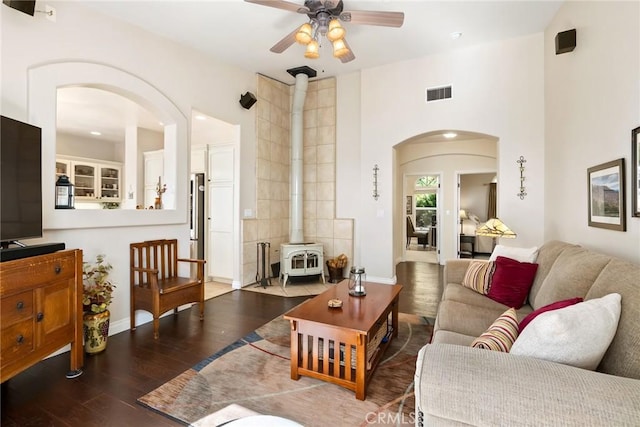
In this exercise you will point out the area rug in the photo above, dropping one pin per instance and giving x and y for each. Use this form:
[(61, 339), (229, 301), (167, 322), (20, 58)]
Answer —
[(295, 289), (254, 373)]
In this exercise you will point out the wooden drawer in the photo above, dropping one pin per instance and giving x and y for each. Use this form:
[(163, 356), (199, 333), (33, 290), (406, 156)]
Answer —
[(16, 308), (17, 341), (19, 275)]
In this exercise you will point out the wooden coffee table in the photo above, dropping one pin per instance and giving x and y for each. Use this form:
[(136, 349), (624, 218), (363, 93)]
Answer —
[(343, 345)]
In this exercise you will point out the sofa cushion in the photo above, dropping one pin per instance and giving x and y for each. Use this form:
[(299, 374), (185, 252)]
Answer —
[(547, 256), (463, 386), (622, 356), (478, 276), (501, 334), (577, 335), (455, 292), (572, 274), (519, 254), (511, 281), (448, 337), (471, 320), (553, 306)]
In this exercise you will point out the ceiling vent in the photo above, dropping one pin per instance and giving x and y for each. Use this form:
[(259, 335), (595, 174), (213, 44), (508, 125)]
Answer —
[(438, 93)]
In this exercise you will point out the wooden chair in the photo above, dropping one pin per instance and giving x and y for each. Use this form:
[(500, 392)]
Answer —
[(155, 284), (411, 232)]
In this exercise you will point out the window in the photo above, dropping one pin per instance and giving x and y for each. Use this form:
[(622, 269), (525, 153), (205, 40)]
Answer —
[(426, 197)]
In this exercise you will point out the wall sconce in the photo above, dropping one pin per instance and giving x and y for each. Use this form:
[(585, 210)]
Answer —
[(375, 182), (521, 162)]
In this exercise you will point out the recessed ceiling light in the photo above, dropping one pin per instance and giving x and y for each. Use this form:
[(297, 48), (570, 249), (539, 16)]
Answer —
[(95, 132), (450, 135), (456, 35), (200, 117)]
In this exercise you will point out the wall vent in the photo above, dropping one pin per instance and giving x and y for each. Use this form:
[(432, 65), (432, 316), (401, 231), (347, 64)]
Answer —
[(438, 93)]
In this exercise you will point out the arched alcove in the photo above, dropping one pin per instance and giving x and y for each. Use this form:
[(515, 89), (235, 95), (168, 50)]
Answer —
[(43, 84)]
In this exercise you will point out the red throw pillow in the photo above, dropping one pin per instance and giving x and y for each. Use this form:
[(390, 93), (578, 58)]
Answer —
[(512, 281), (553, 306)]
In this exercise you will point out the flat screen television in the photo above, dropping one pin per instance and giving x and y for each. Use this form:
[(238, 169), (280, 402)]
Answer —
[(26, 6), (20, 181)]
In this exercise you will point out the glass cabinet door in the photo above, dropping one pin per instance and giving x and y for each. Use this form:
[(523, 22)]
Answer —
[(110, 183), (84, 179), (62, 168)]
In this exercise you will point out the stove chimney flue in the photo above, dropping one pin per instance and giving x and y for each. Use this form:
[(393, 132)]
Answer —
[(296, 221)]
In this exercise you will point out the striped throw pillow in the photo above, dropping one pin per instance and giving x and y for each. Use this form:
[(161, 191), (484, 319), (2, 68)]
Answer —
[(501, 334), (479, 275)]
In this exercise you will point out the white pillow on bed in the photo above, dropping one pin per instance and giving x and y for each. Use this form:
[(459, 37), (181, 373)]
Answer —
[(519, 254)]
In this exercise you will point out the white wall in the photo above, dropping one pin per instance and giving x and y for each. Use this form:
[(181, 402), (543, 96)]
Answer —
[(497, 90), (90, 147), (188, 78), (592, 102)]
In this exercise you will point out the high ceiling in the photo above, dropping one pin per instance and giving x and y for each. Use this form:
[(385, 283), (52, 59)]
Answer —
[(241, 34)]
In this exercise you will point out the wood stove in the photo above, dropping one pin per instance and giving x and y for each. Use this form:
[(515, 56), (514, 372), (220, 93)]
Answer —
[(301, 259)]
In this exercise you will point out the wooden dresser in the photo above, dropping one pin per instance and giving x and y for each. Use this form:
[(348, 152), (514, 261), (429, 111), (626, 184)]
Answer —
[(41, 310)]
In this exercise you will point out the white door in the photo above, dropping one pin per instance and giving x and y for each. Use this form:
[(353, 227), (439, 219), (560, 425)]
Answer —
[(220, 213), (153, 170)]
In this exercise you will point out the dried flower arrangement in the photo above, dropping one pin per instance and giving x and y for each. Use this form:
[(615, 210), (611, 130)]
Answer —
[(338, 262)]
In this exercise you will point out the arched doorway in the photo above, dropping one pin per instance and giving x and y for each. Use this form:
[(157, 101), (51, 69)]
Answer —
[(447, 154)]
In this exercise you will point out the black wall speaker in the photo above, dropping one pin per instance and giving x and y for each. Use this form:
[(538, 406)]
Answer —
[(247, 100), (565, 41)]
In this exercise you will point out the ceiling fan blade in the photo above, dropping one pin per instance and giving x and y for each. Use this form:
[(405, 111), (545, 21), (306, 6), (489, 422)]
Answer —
[(348, 57), (281, 4), (368, 17), (286, 41)]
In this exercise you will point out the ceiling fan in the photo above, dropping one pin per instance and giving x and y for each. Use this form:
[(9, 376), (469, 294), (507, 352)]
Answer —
[(324, 21)]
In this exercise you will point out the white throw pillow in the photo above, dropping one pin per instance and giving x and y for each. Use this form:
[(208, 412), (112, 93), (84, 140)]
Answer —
[(519, 254), (577, 335)]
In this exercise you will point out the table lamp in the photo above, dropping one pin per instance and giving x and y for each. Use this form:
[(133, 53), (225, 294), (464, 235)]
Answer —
[(496, 229)]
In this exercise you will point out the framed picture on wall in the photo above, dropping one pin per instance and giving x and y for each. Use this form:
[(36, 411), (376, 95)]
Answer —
[(605, 184), (635, 172), (409, 205)]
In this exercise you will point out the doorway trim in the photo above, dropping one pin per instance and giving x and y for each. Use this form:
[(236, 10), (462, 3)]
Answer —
[(405, 176), (458, 205)]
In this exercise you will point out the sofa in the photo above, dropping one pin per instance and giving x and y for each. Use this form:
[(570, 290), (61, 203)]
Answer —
[(456, 384)]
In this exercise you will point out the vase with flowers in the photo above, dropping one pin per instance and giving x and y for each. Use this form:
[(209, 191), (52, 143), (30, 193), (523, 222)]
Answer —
[(96, 298), (160, 189)]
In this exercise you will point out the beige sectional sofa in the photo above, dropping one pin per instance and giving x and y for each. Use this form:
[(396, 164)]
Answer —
[(456, 384)]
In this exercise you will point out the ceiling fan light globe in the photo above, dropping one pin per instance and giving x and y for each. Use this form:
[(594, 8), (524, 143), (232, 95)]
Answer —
[(304, 36), (339, 48), (335, 31), (313, 50)]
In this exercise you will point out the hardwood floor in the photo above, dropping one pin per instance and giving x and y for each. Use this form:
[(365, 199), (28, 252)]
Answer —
[(135, 363)]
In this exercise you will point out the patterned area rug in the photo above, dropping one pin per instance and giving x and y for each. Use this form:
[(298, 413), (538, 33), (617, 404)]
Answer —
[(254, 372)]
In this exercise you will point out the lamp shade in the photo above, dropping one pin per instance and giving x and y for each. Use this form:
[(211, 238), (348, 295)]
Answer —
[(495, 228), (336, 31), (304, 36), (339, 48), (312, 51)]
